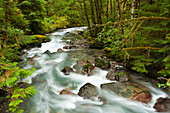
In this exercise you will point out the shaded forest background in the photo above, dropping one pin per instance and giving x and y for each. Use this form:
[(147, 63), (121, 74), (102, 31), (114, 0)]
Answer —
[(135, 32)]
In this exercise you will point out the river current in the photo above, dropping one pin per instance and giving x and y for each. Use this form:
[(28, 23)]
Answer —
[(49, 81)]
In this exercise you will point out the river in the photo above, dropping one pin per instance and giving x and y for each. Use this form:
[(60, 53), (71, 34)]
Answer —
[(49, 81)]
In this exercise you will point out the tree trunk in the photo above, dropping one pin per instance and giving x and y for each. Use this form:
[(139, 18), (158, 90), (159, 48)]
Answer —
[(111, 8), (87, 18), (107, 9), (93, 18), (81, 11), (92, 12), (132, 12), (5, 35), (100, 11), (119, 17), (138, 5), (97, 10), (114, 4)]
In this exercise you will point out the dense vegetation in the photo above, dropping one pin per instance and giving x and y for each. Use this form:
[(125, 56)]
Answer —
[(19, 21), (135, 32)]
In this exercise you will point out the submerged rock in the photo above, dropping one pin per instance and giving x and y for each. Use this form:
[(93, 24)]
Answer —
[(81, 62), (67, 70), (144, 97), (129, 90), (162, 105), (60, 50), (65, 92), (88, 91), (47, 52), (118, 74)]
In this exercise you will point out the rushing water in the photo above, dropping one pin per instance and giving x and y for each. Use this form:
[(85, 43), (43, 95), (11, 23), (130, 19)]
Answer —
[(49, 81)]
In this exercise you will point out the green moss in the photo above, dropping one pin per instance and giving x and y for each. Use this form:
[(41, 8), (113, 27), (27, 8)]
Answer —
[(121, 73), (107, 49), (87, 65)]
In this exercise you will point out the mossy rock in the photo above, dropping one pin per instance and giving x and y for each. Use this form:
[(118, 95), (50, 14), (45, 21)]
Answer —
[(118, 74), (88, 91), (125, 89), (123, 77), (29, 41), (41, 38), (88, 68), (102, 63)]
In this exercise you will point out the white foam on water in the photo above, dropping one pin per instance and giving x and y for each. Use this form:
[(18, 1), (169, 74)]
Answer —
[(50, 81)]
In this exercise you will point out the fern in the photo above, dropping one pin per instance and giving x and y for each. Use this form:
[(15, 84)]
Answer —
[(10, 74)]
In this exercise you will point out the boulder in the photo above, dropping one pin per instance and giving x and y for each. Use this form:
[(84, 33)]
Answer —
[(88, 91), (67, 70), (65, 92), (103, 64), (162, 105), (129, 90), (118, 74)]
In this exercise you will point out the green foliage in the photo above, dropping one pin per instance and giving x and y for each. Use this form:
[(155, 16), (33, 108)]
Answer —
[(52, 23), (140, 65), (9, 76), (145, 46), (10, 73), (10, 54), (34, 11), (17, 97)]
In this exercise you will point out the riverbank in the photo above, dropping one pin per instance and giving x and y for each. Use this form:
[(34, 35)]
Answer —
[(11, 70)]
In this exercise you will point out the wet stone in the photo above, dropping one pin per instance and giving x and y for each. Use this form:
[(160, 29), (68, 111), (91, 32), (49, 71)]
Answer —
[(127, 90), (60, 50), (47, 52), (81, 62), (102, 63), (162, 105), (67, 70), (118, 74), (65, 92), (88, 91)]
